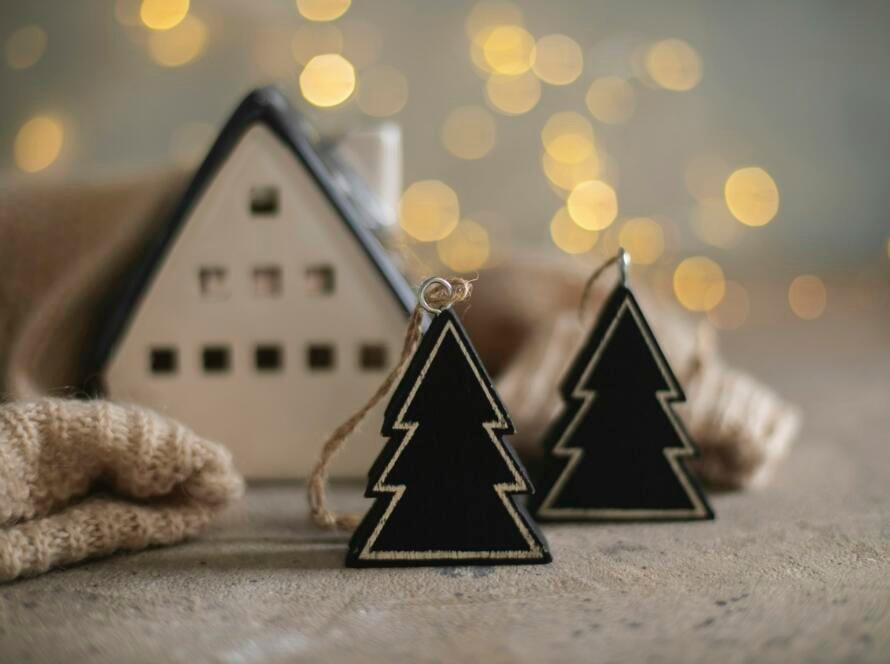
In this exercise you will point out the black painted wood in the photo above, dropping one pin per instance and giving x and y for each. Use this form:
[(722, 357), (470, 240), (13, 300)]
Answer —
[(617, 451), (445, 482)]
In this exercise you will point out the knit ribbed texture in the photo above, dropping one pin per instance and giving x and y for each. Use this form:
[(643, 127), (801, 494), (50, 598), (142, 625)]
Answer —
[(82, 479)]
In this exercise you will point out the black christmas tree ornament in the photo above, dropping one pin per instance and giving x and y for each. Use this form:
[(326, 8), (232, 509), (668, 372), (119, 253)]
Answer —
[(617, 451), (445, 484)]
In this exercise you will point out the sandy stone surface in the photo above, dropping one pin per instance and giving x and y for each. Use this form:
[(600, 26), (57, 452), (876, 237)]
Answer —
[(798, 571)]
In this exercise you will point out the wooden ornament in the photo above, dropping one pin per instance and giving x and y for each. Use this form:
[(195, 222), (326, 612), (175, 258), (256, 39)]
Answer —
[(446, 483), (264, 309), (617, 451)]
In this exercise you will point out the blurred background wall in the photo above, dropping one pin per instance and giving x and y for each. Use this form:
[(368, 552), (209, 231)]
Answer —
[(725, 143)]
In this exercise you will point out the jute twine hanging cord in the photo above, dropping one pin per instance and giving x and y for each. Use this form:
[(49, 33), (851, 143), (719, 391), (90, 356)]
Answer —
[(437, 296)]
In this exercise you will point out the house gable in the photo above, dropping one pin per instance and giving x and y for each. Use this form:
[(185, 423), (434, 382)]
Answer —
[(267, 313)]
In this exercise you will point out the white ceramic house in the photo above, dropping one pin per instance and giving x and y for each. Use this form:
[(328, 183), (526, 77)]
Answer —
[(266, 312)]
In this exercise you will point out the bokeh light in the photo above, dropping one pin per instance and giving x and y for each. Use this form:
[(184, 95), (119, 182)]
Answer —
[(429, 210), (179, 45), (163, 14), (382, 91), (25, 47), (327, 80), (752, 196), (593, 205), (513, 95), (490, 13), (699, 284), (558, 59), (807, 297), (466, 248), (611, 100), (733, 309), (673, 65), (316, 39), (569, 176), (469, 132), (509, 49), (322, 10), (570, 237), (568, 137), (713, 224), (643, 238), (38, 143)]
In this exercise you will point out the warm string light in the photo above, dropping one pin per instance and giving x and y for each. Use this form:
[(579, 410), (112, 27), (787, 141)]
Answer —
[(469, 132), (327, 80), (807, 297), (752, 196), (38, 143), (466, 248), (179, 45), (429, 210), (322, 10), (699, 284), (25, 47), (163, 14)]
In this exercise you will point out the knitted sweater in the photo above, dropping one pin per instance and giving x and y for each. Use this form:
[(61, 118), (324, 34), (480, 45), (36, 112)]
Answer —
[(81, 479)]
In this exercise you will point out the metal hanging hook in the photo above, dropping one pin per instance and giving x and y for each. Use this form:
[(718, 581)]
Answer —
[(421, 294), (622, 259)]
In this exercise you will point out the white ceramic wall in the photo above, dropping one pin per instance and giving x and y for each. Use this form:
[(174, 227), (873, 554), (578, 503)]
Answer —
[(274, 423)]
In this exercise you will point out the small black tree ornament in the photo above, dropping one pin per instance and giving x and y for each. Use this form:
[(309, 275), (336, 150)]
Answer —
[(445, 482), (617, 451)]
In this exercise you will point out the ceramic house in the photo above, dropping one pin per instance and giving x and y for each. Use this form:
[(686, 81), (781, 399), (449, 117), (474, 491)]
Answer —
[(265, 312)]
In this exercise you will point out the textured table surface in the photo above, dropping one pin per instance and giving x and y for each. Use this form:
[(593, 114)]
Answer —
[(798, 571)]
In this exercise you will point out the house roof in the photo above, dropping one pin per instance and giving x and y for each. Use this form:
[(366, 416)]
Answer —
[(269, 107)]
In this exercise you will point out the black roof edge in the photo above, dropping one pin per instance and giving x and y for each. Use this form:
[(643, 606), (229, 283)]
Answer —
[(270, 107)]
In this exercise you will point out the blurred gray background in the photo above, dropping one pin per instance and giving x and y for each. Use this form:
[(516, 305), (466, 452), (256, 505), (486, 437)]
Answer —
[(798, 88)]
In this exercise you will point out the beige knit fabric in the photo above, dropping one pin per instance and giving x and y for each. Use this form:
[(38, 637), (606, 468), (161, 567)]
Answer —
[(83, 479)]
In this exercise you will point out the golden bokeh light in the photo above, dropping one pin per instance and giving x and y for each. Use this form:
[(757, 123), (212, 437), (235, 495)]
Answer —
[(611, 100), (699, 284), (673, 65), (705, 176), (469, 132), (313, 39), (807, 297), (429, 210), (570, 237), (322, 10), (179, 45), (752, 196), (568, 137), (733, 309), (25, 47), (382, 91), (558, 59), (466, 248), (513, 95), (643, 239), (38, 143), (327, 80), (509, 49), (569, 176), (593, 205), (713, 224), (163, 14), (490, 13)]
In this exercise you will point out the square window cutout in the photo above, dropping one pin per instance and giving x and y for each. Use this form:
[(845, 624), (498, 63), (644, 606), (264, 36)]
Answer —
[(163, 360), (372, 357), (268, 357), (263, 201), (320, 357), (319, 280), (213, 281), (216, 359), (267, 281)]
